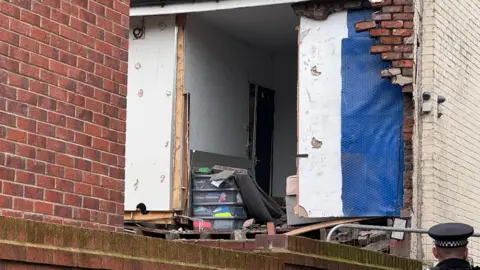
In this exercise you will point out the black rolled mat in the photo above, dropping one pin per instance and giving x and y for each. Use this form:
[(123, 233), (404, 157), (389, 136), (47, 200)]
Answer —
[(259, 205)]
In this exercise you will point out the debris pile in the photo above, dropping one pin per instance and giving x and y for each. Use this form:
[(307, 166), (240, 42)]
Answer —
[(378, 241)]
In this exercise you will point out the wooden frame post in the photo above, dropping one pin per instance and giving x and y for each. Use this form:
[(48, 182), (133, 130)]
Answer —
[(180, 21)]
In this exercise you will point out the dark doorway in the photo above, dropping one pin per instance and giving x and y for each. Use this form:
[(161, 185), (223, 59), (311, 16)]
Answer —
[(262, 109)]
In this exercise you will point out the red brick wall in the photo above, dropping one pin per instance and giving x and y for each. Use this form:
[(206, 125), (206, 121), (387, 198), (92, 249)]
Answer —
[(63, 66)]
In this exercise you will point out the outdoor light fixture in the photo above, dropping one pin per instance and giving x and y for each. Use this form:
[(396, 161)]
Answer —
[(399, 223), (427, 103), (440, 100)]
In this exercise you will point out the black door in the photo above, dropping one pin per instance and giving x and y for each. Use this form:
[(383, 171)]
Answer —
[(264, 138)]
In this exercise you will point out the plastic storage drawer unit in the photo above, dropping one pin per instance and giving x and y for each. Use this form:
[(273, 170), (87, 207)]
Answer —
[(217, 204)]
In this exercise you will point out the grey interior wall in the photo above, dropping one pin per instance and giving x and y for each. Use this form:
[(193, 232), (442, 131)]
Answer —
[(218, 69), (285, 133)]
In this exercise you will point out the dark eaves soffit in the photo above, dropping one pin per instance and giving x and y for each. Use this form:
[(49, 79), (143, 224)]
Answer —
[(143, 3)]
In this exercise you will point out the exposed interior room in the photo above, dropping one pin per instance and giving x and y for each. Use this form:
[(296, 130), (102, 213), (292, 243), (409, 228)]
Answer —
[(241, 74)]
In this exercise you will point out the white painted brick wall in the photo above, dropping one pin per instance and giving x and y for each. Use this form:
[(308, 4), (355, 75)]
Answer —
[(450, 146)]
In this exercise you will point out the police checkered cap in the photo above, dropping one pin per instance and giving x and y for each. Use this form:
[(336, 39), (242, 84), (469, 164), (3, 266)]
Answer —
[(451, 244), (451, 235)]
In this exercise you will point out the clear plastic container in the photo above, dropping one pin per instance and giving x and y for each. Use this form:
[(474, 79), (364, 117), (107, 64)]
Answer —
[(218, 224), (203, 181), (227, 224), (219, 211), (216, 196)]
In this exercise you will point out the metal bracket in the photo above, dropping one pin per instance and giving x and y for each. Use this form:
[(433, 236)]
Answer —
[(139, 31)]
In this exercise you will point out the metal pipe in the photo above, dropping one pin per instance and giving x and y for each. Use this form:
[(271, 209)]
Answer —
[(129, 231), (378, 228)]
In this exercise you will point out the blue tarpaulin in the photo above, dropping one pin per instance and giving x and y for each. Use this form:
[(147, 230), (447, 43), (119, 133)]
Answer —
[(372, 140)]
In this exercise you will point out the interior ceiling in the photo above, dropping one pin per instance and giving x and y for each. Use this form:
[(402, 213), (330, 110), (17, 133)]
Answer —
[(270, 28)]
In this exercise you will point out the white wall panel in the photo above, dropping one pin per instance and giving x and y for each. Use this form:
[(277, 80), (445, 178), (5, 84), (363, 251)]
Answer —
[(319, 113), (151, 85)]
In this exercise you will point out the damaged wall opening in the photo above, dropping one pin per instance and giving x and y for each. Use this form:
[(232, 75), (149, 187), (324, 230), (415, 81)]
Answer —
[(241, 73), (236, 99)]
